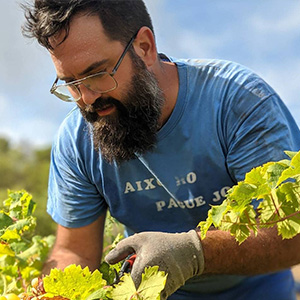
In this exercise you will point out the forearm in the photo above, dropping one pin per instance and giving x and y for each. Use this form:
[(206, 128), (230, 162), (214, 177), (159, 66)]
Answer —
[(61, 258), (262, 254), (80, 246)]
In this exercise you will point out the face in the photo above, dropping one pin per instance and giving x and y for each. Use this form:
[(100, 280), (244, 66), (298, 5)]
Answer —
[(123, 122)]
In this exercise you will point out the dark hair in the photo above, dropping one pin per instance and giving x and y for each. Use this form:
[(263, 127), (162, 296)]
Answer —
[(121, 19)]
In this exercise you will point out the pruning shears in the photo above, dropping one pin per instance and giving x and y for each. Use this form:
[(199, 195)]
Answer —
[(126, 267)]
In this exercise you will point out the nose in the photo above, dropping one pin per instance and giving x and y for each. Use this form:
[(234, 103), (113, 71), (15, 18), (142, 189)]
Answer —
[(88, 96)]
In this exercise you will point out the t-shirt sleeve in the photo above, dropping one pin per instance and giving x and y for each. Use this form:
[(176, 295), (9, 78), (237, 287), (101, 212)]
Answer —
[(73, 199), (260, 129)]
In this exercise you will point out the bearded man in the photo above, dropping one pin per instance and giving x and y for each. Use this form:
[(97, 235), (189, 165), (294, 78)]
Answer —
[(157, 140)]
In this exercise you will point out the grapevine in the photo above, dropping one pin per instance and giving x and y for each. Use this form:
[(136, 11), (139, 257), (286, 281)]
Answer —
[(75, 283), (268, 196), (21, 253)]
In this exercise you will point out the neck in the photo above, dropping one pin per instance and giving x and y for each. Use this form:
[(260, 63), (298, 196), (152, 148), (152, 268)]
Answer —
[(167, 75)]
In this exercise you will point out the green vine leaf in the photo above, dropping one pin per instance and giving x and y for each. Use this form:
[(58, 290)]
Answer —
[(21, 253), (5, 220), (276, 186)]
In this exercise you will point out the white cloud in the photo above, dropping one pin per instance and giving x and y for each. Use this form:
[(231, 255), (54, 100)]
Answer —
[(263, 35), (36, 132), (287, 22), (264, 38), (194, 44), (285, 80), (42, 131)]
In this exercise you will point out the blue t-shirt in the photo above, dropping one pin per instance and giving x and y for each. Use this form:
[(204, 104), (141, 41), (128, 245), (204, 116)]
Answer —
[(226, 121)]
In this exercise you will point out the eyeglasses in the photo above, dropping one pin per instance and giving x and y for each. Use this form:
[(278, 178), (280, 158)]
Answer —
[(101, 82)]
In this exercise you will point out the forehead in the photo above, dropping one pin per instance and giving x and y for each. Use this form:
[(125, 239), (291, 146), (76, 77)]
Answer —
[(86, 43)]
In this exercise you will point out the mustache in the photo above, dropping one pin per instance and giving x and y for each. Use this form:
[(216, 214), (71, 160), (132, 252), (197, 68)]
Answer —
[(90, 111), (100, 103)]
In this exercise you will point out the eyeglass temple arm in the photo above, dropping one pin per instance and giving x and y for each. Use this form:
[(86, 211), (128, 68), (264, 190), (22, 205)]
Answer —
[(123, 54), (53, 85)]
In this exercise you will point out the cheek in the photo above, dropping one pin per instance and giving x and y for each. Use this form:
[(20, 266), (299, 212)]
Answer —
[(117, 94), (124, 89), (123, 77), (81, 104)]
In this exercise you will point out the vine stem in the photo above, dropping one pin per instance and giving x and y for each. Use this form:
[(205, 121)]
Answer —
[(267, 223), (4, 284), (23, 282), (247, 215), (136, 294), (109, 247), (273, 201)]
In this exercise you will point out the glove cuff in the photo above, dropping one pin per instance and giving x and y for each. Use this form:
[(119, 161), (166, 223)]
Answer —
[(197, 257)]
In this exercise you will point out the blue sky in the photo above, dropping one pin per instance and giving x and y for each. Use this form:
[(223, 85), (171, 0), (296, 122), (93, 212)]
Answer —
[(262, 35)]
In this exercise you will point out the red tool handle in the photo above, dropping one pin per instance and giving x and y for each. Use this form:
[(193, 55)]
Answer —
[(127, 265), (131, 260)]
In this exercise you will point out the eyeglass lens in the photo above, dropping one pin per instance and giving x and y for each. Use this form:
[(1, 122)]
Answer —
[(102, 82)]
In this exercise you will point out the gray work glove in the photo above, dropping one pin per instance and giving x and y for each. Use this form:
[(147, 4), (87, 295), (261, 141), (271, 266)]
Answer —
[(180, 255)]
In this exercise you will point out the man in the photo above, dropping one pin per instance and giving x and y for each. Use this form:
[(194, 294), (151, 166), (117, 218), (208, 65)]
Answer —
[(156, 141)]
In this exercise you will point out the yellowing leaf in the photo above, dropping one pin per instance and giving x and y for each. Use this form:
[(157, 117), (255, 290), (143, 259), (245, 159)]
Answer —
[(274, 172), (153, 282), (204, 227), (243, 192), (290, 154), (288, 228), (255, 176), (267, 211), (241, 232), (217, 213), (125, 289), (10, 235), (99, 294), (5, 250), (73, 283), (292, 171)]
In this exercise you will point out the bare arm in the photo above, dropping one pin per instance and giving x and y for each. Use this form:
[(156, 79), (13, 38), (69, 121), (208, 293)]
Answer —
[(80, 246), (183, 256), (265, 253)]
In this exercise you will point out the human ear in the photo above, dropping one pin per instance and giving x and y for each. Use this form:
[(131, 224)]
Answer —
[(145, 47)]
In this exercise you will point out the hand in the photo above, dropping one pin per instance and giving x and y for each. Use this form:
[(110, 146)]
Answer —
[(180, 255)]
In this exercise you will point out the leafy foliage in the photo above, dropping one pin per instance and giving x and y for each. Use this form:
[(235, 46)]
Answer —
[(22, 167), (268, 196), (73, 283), (153, 282), (274, 188), (21, 253)]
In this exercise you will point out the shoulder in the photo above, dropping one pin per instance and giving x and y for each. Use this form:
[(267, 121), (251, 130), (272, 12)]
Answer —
[(226, 76), (73, 134), (219, 67), (74, 121)]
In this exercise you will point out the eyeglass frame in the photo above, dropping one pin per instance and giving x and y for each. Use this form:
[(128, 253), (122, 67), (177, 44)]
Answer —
[(77, 82)]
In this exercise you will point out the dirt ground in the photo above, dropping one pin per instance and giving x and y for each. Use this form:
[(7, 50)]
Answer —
[(296, 272)]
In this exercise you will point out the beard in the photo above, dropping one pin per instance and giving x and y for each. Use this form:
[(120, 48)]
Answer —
[(131, 129)]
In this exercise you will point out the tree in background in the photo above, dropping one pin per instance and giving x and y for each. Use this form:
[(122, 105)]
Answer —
[(22, 167)]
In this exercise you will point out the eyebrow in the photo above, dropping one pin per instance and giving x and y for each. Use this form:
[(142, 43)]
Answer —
[(90, 68)]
